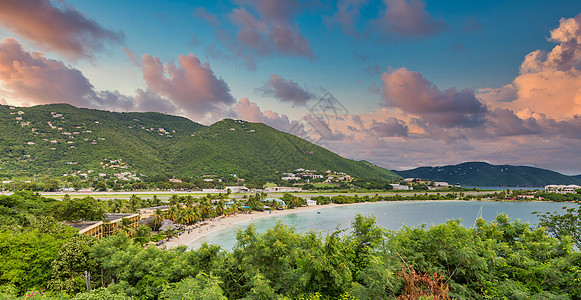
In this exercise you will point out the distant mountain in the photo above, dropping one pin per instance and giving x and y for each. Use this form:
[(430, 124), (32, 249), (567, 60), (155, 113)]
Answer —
[(59, 138), (484, 174)]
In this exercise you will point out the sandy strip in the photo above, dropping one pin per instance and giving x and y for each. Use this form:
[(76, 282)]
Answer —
[(225, 222)]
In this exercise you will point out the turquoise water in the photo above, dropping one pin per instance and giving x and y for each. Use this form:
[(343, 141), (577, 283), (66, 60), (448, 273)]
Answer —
[(390, 215)]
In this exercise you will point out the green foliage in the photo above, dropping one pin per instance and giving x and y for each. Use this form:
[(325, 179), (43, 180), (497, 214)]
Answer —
[(77, 209), (70, 264), (26, 256), (142, 234), (100, 294), (502, 259), (563, 225), (203, 286), (260, 289)]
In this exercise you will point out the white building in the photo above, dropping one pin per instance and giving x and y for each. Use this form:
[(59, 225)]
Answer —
[(237, 189), (562, 189), (282, 189), (311, 202), (401, 187)]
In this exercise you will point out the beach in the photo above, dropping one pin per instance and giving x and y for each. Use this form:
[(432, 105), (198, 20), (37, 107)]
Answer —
[(191, 235)]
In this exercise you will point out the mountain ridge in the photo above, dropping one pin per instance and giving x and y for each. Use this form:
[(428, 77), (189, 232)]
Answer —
[(58, 139), (485, 174)]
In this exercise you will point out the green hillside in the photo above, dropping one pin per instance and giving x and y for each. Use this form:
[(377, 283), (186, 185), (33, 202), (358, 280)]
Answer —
[(484, 174), (61, 139)]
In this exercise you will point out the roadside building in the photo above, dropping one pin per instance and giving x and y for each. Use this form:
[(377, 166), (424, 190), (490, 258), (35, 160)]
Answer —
[(237, 189), (401, 187)]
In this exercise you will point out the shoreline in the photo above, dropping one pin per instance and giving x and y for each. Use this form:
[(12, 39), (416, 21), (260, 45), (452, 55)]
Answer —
[(225, 222), (222, 223)]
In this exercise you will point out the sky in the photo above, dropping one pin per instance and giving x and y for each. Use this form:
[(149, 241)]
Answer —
[(399, 83)]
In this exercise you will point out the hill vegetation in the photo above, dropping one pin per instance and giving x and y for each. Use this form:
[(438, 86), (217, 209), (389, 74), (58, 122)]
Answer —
[(484, 174), (59, 139)]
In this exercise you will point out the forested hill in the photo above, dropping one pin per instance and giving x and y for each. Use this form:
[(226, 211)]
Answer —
[(484, 174), (59, 138)]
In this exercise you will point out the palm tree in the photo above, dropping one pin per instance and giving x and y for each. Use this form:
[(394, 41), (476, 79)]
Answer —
[(155, 201), (181, 217), (125, 226), (219, 207), (142, 234), (192, 214), (205, 208), (116, 205), (171, 233), (174, 199), (235, 206), (157, 219), (172, 212), (189, 201), (134, 203)]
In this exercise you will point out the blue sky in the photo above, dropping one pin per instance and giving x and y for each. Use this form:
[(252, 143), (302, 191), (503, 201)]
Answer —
[(422, 82)]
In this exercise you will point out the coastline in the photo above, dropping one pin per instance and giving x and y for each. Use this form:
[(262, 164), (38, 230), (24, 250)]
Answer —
[(225, 222)]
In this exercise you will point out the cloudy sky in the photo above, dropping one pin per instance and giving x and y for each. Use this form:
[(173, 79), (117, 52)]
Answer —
[(400, 83)]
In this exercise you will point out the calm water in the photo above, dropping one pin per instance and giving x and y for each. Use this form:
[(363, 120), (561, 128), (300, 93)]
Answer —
[(390, 215)]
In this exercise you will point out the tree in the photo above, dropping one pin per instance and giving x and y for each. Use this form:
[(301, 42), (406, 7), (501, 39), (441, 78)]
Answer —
[(562, 225), (101, 294), (73, 210), (366, 236), (26, 256), (70, 264), (203, 286), (157, 220), (220, 207), (142, 234), (260, 289)]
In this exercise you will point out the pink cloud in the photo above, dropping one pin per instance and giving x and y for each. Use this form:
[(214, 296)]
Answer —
[(285, 90), (347, 15), (202, 13), (251, 112), (391, 127), (399, 19), (38, 80), (32, 79), (146, 101), (131, 57), (64, 30), (270, 35), (408, 18), (191, 85), (506, 93), (549, 82), (413, 94)]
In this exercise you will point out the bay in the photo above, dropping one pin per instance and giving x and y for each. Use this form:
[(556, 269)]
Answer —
[(390, 215)]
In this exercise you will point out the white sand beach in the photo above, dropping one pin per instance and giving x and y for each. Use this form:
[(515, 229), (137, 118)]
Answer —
[(225, 222)]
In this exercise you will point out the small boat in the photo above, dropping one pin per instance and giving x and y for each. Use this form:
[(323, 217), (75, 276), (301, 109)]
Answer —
[(318, 212)]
